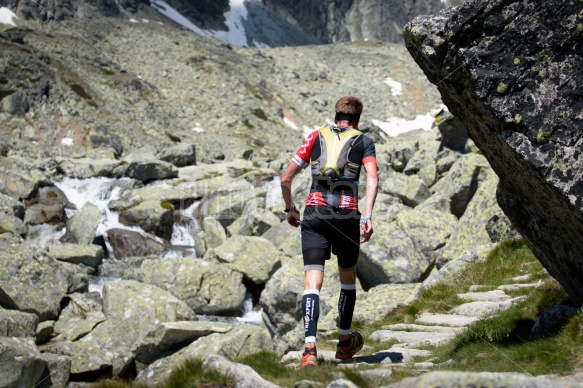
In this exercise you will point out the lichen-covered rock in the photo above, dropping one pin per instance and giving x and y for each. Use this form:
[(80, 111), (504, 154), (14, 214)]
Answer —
[(390, 256), (11, 224), (89, 255), (285, 237), (169, 337), (30, 280), (147, 170), (242, 340), (21, 363), (11, 206), (516, 89), (207, 288), (59, 369), (17, 324), (83, 168), (479, 379), (214, 233), (80, 316), (152, 216), (227, 203), (82, 226), (408, 188), (254, 221), (180, 155), (45, 214), (470, 231), (255, 257), (133, 309), (453, 192)]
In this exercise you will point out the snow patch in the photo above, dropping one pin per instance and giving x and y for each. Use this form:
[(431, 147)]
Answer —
[(396, 87), (7, 16), (395, 126), (132, 20), (67, 141), (290, 123), (235, 34), (176, 16)]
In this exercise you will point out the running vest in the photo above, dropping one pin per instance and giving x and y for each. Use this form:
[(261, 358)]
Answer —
[(333, 161)]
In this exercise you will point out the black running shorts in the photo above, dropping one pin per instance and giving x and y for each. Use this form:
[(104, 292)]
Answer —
[(326, 230)]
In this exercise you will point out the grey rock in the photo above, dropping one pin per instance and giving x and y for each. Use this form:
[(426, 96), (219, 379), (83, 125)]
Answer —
[(12, 224), (180, 155), (423, 328), (445, 319), (22, 365), (11, 206), (489, 379), (413, 339), (551, 320), (214, 233), (59, 369), (255, 257), (84, 168), (285, 237), (523, 126), (408, 188), (241, 341), (82, 226), (89, 255), (484, 309), (454, 135), (17, 324), (500, 228), (153, 217), (244, 375), (171, 336), (390, 257), (488, 296), (207, 288), (44, 332), (147, 170), (22, 266), (342, 383), (45, 214), (127, 243)]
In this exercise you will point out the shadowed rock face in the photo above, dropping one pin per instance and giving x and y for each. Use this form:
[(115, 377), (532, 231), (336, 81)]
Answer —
[(510, 71)]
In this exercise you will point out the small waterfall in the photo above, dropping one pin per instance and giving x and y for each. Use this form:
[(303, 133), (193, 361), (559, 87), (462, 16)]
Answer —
[(274, 196), (250, 314)]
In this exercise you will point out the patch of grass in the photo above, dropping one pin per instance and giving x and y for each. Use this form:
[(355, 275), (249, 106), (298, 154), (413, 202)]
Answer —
[(508, 259), (189, 374)]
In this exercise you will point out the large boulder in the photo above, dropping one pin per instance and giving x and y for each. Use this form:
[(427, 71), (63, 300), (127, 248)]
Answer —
[(17, 324), (255, 257), (89, 255), (21, 363), (128, 243), (153, 217), (242, 340), (516, 88), (390, 257), (82, 226), (179, 155), (207, 288), (30, 280)]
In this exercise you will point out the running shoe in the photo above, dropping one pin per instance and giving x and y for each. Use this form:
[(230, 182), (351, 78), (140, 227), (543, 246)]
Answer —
[(309, 358), (346, 349)]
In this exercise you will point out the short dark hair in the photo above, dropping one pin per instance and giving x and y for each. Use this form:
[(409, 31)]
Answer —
[(349, 108)]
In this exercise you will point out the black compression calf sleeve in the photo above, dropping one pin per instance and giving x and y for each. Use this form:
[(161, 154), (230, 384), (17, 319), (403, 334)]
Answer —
[(346, 303), (311, 313)]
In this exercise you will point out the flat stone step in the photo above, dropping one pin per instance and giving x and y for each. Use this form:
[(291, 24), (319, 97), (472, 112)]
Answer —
[(480, 288), (409, 339), (519, 286), (424, 328), (488, 296), (484, 309), (445, 319)]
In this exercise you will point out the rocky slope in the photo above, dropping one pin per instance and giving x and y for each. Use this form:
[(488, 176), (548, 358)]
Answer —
[(128, 86)]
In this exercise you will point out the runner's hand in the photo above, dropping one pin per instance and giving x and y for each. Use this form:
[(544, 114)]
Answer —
[(293, 217), (366, 231)]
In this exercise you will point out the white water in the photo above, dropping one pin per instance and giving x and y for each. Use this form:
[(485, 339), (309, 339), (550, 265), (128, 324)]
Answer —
[(274, 196), (250, 315)]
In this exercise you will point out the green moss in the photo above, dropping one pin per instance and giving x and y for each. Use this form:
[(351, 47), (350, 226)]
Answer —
[(543, 136)]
